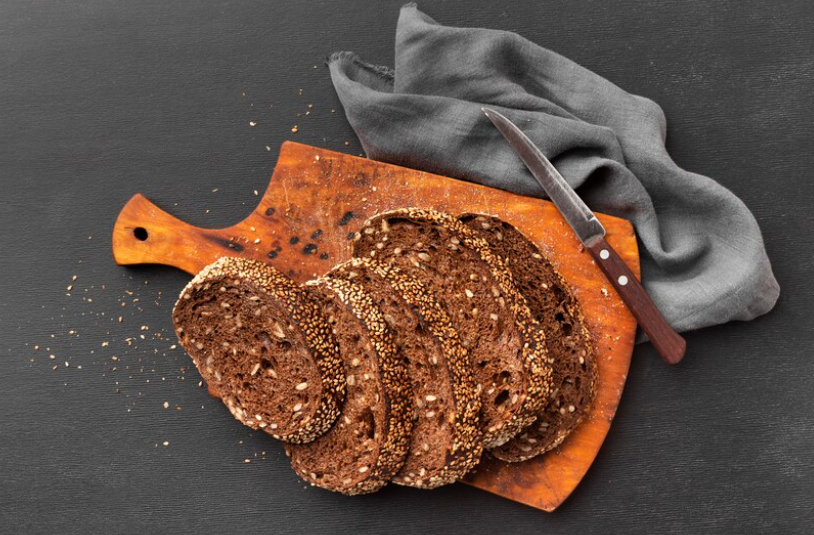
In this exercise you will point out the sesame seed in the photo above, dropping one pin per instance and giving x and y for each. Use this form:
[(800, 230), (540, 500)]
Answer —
[(277, 330)]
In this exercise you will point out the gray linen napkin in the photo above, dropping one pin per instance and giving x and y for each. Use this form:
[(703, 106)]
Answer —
[(703, 259)]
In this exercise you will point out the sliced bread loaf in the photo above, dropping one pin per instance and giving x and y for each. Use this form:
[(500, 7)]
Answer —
[(570, 344), (260, 341), (506, 346), (446, 439), (368, 444)]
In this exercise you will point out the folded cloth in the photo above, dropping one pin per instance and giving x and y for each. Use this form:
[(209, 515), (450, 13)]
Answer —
[(702, 254)]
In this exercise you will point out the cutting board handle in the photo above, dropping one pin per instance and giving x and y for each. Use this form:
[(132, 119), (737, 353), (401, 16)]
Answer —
[(146, 234)]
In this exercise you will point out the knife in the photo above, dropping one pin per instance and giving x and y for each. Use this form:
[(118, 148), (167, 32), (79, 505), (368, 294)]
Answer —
[(591, 233)]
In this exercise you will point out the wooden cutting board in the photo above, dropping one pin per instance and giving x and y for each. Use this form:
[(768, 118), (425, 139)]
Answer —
[(315, 202)]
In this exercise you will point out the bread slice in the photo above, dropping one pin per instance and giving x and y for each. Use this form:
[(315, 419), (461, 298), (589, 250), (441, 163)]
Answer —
[(446, 440), (570, 344), (260, 341), (506, 346), (369, 443)]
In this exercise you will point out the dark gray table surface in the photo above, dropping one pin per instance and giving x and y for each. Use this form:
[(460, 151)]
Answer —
[(103, 99)]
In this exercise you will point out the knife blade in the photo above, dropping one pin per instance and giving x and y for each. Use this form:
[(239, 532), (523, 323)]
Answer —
[(670, 345)]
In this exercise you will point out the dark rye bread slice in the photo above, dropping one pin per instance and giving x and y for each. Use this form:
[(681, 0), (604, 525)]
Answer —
[(446, 441), (506, 346), (260, 341), (556, 308), (369, 442)]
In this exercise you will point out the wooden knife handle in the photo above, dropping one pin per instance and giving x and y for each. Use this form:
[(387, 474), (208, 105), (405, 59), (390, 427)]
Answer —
[(668, 343)]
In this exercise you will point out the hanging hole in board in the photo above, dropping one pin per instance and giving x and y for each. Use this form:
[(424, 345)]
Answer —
[(140, 233)]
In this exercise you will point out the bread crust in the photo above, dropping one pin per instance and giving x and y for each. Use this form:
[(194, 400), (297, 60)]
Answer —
[(534, 355), (556, 308), (463, 445), (268, 288), (395, 401)]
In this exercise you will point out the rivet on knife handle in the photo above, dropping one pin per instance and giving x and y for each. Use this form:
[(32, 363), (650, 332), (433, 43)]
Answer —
[(668, 343)]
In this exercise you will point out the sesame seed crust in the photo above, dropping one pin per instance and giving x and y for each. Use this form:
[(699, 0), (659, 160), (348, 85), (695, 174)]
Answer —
[(573, 352), (536, 360), (269, 285), (464, 449), (396, 399)]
